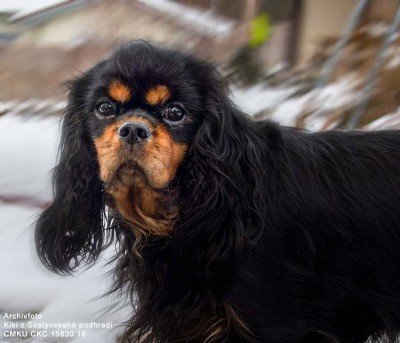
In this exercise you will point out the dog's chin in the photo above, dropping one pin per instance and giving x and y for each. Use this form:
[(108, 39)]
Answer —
[(129, 171), (131, 174)]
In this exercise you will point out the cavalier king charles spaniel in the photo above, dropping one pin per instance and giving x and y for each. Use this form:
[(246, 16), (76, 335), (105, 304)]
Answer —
[(226, 229)]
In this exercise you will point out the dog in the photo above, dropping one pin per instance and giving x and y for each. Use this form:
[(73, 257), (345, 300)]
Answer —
[(227, 229)]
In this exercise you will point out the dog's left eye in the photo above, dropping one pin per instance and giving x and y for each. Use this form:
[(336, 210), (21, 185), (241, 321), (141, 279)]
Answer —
[(105, 108), (174, 113)]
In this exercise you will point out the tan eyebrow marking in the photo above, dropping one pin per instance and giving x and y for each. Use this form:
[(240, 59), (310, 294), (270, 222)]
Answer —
[(158, 95), (119, 92)]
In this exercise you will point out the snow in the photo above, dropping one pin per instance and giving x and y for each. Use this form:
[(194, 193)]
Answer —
[(337, 94), (377, 29), (259, 98), (283, 107), (28, 147), (24, 7), (6, 106), (389, 121), (287, 112), (204, 21), (393, 58)]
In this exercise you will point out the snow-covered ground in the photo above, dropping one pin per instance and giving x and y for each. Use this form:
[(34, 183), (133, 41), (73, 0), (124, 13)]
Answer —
[(284, 107), (259, 98)]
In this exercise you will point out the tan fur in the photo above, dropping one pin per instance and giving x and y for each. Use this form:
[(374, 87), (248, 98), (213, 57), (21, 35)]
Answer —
[(158, 95), (163, 156), (106, 146), (119, 92)]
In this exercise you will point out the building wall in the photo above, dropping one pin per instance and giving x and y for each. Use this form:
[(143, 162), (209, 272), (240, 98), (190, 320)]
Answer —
[(274, 52), (321, 19), (382, 9)]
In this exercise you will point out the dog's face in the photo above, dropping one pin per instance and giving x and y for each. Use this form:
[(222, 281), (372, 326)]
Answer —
[(142, 119), (143, 107), (142, 140)]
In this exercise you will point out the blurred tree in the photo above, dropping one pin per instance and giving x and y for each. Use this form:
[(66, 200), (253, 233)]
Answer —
[(260, 30)]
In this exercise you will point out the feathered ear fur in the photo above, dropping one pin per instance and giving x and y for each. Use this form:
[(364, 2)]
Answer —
[(71, 229), (222, 191)]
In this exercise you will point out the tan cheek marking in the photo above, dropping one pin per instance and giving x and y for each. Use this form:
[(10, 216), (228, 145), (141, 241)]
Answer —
[(107, 146), (119, 92), (163, 157), (158, 95)]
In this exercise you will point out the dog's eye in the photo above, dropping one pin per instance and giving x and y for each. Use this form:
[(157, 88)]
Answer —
[(105, 108), (174, 113)]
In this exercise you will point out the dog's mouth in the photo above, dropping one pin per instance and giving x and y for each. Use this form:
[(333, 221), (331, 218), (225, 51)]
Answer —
[(131, 175), (148, 209), (127, 175)]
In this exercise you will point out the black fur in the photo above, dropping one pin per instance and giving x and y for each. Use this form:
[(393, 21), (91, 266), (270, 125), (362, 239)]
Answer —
[(282, 235), (71, 229)]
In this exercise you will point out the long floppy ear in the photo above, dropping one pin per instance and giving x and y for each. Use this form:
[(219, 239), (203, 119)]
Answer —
[(71, 229), (221, 184)]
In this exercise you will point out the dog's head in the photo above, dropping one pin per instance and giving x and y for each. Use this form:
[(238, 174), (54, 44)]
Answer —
[(151, 134)]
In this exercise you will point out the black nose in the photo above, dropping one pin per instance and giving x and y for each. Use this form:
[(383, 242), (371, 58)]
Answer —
[(133, 133)]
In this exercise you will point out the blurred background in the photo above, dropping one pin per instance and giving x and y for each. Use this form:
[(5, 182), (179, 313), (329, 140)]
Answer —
[(315, 64)]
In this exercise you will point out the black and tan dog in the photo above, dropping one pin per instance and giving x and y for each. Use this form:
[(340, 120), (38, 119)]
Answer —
[(229, 230)]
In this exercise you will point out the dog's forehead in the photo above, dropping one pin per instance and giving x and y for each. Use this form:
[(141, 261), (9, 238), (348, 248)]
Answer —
[(154, 82), (124, 90)]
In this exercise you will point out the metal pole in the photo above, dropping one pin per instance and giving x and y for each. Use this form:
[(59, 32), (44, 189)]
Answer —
[(374, 73), (331, 63)]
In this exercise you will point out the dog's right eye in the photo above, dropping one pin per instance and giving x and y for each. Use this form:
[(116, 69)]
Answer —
[(105, 108)]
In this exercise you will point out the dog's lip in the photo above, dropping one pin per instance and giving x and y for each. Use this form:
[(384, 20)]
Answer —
[(135, 167)]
